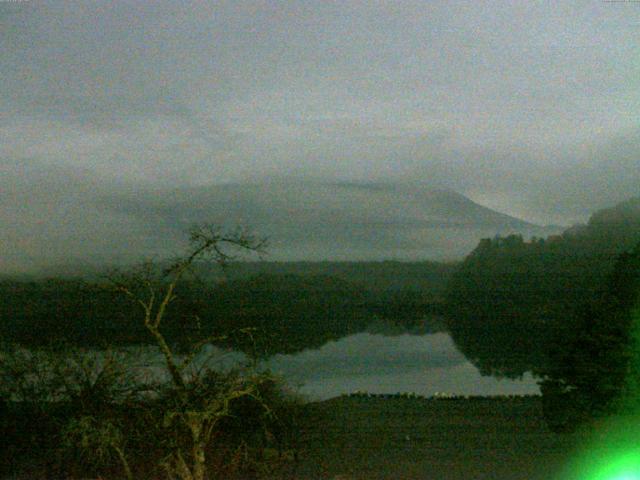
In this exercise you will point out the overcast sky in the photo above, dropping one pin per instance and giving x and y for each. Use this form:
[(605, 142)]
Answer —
[(529, 107)]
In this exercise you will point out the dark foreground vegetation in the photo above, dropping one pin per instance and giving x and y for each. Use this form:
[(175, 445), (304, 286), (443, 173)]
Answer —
[(289, 310), (497, 438), (435, 439), (250, 428), (566, 308)]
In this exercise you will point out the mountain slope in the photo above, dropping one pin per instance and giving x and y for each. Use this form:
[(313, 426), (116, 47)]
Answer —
[(75, 219), (336, 221)]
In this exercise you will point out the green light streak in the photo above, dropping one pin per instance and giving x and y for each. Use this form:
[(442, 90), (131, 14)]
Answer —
[(624, 467), (613, 449), (612, 453)]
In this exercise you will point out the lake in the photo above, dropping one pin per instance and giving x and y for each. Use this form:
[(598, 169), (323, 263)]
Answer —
[(375, 363), (423, 364)]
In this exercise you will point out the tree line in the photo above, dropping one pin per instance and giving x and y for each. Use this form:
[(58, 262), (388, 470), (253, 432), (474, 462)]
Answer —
[(287, 312), (561, 308)]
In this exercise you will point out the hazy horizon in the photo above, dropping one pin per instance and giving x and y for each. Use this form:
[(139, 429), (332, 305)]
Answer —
[(530, 109)]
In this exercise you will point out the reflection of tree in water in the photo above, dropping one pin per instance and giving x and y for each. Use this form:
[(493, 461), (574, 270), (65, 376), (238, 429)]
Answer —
[(289, 313), (511, 298), (285, 312)]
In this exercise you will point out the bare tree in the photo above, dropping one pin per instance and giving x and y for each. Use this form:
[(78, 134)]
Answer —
[(153, 289)]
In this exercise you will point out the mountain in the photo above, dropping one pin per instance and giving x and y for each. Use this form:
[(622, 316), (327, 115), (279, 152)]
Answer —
[(78, 220), (335, 221)]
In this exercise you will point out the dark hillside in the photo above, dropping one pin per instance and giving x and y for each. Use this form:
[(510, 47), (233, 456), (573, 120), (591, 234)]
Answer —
[(510, 297)]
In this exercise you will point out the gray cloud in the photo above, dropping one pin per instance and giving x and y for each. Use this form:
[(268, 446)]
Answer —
[(529, 107)]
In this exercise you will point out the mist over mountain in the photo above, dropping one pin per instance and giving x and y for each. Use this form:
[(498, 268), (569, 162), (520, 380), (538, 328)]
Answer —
[(335, 220), (84, 221)]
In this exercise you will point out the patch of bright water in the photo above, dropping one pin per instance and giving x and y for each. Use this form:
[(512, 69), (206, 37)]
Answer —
[(424, 365)]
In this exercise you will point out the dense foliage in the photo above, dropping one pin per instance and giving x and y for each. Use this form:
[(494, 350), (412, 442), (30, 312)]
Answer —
[(287, 312), (512, 298), (593, 368), (80, 417), (293, 311), (380, 277)]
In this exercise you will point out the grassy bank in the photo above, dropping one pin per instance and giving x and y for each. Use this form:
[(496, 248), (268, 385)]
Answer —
[(417, 438), (403, 438)]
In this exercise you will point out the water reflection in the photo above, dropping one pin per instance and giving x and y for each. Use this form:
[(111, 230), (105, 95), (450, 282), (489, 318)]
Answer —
[(382, 364), (422, 364)]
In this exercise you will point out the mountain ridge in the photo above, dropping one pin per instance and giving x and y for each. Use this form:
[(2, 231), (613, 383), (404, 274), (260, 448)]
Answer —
[(76, 219), (367, 221)]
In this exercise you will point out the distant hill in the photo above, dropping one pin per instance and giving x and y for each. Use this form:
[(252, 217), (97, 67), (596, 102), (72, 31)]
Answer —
[(385, 276), (335, 221), (511, 299), (75, 220)]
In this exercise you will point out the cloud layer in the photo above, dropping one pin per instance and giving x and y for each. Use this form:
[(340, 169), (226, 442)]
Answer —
[(529, 107)]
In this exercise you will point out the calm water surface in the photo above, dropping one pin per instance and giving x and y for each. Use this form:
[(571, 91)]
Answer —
[(424, 364)]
